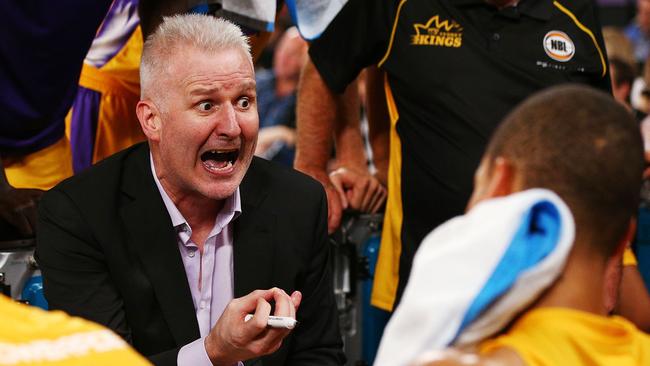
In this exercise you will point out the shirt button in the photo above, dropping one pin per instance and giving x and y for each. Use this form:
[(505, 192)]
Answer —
[(202, 304), (496, 36), (191, 253)]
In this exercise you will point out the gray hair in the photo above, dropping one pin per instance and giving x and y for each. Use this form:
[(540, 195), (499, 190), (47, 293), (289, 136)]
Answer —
[(203, 32)]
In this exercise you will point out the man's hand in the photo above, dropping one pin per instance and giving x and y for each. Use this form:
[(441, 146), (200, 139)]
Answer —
[(358, 190), (18, 207), (232, 339)]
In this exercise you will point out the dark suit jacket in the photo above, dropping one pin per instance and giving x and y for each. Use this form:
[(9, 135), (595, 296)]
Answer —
[(108, 253)]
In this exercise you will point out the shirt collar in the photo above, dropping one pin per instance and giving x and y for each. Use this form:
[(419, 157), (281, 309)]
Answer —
[(230, 210), (538, 9)]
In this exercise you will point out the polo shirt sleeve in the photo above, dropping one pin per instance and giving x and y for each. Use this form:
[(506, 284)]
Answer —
[(356, 38)]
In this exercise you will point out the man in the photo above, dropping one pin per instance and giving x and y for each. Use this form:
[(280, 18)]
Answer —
[(453, 70), (585, 147), (31, 336), (155, 241)]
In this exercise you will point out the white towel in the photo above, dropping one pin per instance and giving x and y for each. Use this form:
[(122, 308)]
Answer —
[(475, 272)]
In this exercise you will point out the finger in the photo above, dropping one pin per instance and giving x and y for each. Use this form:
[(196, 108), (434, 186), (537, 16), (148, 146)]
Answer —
[(358, 191), (369, 195), (257, 324), (248, 303), (337, 183), (283, 304), (379, 200), (296, 298)]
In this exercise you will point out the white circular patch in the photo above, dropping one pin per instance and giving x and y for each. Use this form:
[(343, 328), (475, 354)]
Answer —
[(559, 46)]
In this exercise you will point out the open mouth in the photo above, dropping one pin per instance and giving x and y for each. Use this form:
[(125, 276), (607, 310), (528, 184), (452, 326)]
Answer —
[(217, 160)]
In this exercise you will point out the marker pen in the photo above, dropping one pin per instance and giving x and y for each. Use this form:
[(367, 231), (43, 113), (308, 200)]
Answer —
[(277, 321)]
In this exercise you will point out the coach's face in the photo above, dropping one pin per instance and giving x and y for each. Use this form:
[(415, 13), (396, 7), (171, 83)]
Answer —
[(208, 123)]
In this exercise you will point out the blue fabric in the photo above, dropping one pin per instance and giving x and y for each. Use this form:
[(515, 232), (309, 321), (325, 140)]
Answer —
[(83, 128), (42, 46), (534, 240)]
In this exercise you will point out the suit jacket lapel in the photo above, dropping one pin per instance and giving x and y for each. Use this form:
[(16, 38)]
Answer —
[(150, 233), (253, 234)]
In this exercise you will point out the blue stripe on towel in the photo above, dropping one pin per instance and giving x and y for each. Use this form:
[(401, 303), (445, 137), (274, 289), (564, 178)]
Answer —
[(536, 238)]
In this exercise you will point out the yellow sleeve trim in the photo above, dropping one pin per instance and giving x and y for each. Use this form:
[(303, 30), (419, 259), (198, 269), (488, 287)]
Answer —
[(392, 34), (586, 30)]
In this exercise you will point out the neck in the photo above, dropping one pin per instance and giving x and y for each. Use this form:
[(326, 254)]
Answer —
[(581, 286)]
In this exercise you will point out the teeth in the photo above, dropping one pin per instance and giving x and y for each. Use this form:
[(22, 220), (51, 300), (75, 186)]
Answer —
[(212, 166)]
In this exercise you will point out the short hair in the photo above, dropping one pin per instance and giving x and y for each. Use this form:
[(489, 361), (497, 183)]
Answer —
[(178, 32), (584, 146)]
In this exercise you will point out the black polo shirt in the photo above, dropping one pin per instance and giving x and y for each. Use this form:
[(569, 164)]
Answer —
[(454, 70)]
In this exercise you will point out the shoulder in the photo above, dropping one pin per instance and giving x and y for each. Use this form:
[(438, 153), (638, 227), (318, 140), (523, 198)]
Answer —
[(69, 340), (98, 188), (502, 356), (106, 173)]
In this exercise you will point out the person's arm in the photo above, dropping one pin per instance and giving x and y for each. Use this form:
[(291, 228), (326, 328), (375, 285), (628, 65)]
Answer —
[(319, 112), (378, 122), (18, 207), (316, 118)]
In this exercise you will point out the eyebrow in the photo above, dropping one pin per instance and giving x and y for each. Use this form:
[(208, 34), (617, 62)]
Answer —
[(245, 86)]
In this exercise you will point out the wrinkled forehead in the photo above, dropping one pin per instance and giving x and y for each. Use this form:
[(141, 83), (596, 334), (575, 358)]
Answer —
[(229, 67)]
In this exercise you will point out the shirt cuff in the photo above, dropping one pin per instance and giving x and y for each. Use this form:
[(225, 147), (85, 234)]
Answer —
[(194, 354)]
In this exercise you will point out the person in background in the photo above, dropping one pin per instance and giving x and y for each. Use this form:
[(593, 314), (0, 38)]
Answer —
[(31, 336), (42, 55), (638, 32), (596, 171), (276, 94), (453, 69)]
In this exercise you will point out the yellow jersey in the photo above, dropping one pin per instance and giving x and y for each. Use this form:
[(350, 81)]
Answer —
[(560, 336), (31, 336)]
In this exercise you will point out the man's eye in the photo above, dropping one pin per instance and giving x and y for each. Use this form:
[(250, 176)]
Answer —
[(205, 106), (244, 103)]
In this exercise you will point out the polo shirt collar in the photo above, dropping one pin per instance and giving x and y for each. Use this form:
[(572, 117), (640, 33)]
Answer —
[(538, 9)]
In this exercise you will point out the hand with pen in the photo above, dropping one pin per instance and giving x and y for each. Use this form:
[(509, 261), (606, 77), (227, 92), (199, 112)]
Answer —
[(234, 339)]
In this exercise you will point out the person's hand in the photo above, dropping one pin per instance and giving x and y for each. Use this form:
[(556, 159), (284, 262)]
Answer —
[(334, 205), (358, 190), (232, 339), (18, 207), (268, 135)]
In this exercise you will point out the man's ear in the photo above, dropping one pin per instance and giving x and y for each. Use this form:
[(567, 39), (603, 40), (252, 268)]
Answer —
[(149, 117), (626, 239), (502, 178)]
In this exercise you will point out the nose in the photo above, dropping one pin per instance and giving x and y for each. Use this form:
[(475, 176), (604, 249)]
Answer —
[(227, 125)]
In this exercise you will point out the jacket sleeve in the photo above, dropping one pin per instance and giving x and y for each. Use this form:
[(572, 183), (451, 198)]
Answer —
[(317, 340)]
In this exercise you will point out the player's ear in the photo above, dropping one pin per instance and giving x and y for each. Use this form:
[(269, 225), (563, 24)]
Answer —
[(494, 178)]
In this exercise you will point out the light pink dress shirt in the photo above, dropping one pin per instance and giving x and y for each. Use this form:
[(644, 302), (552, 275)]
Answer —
[(214, 268)]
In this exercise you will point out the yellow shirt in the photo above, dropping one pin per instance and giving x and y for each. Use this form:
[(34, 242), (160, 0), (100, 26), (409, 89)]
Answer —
[(559, 336), (31, 336)]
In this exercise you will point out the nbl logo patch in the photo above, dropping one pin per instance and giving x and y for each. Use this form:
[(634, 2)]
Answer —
[(559, 46)]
